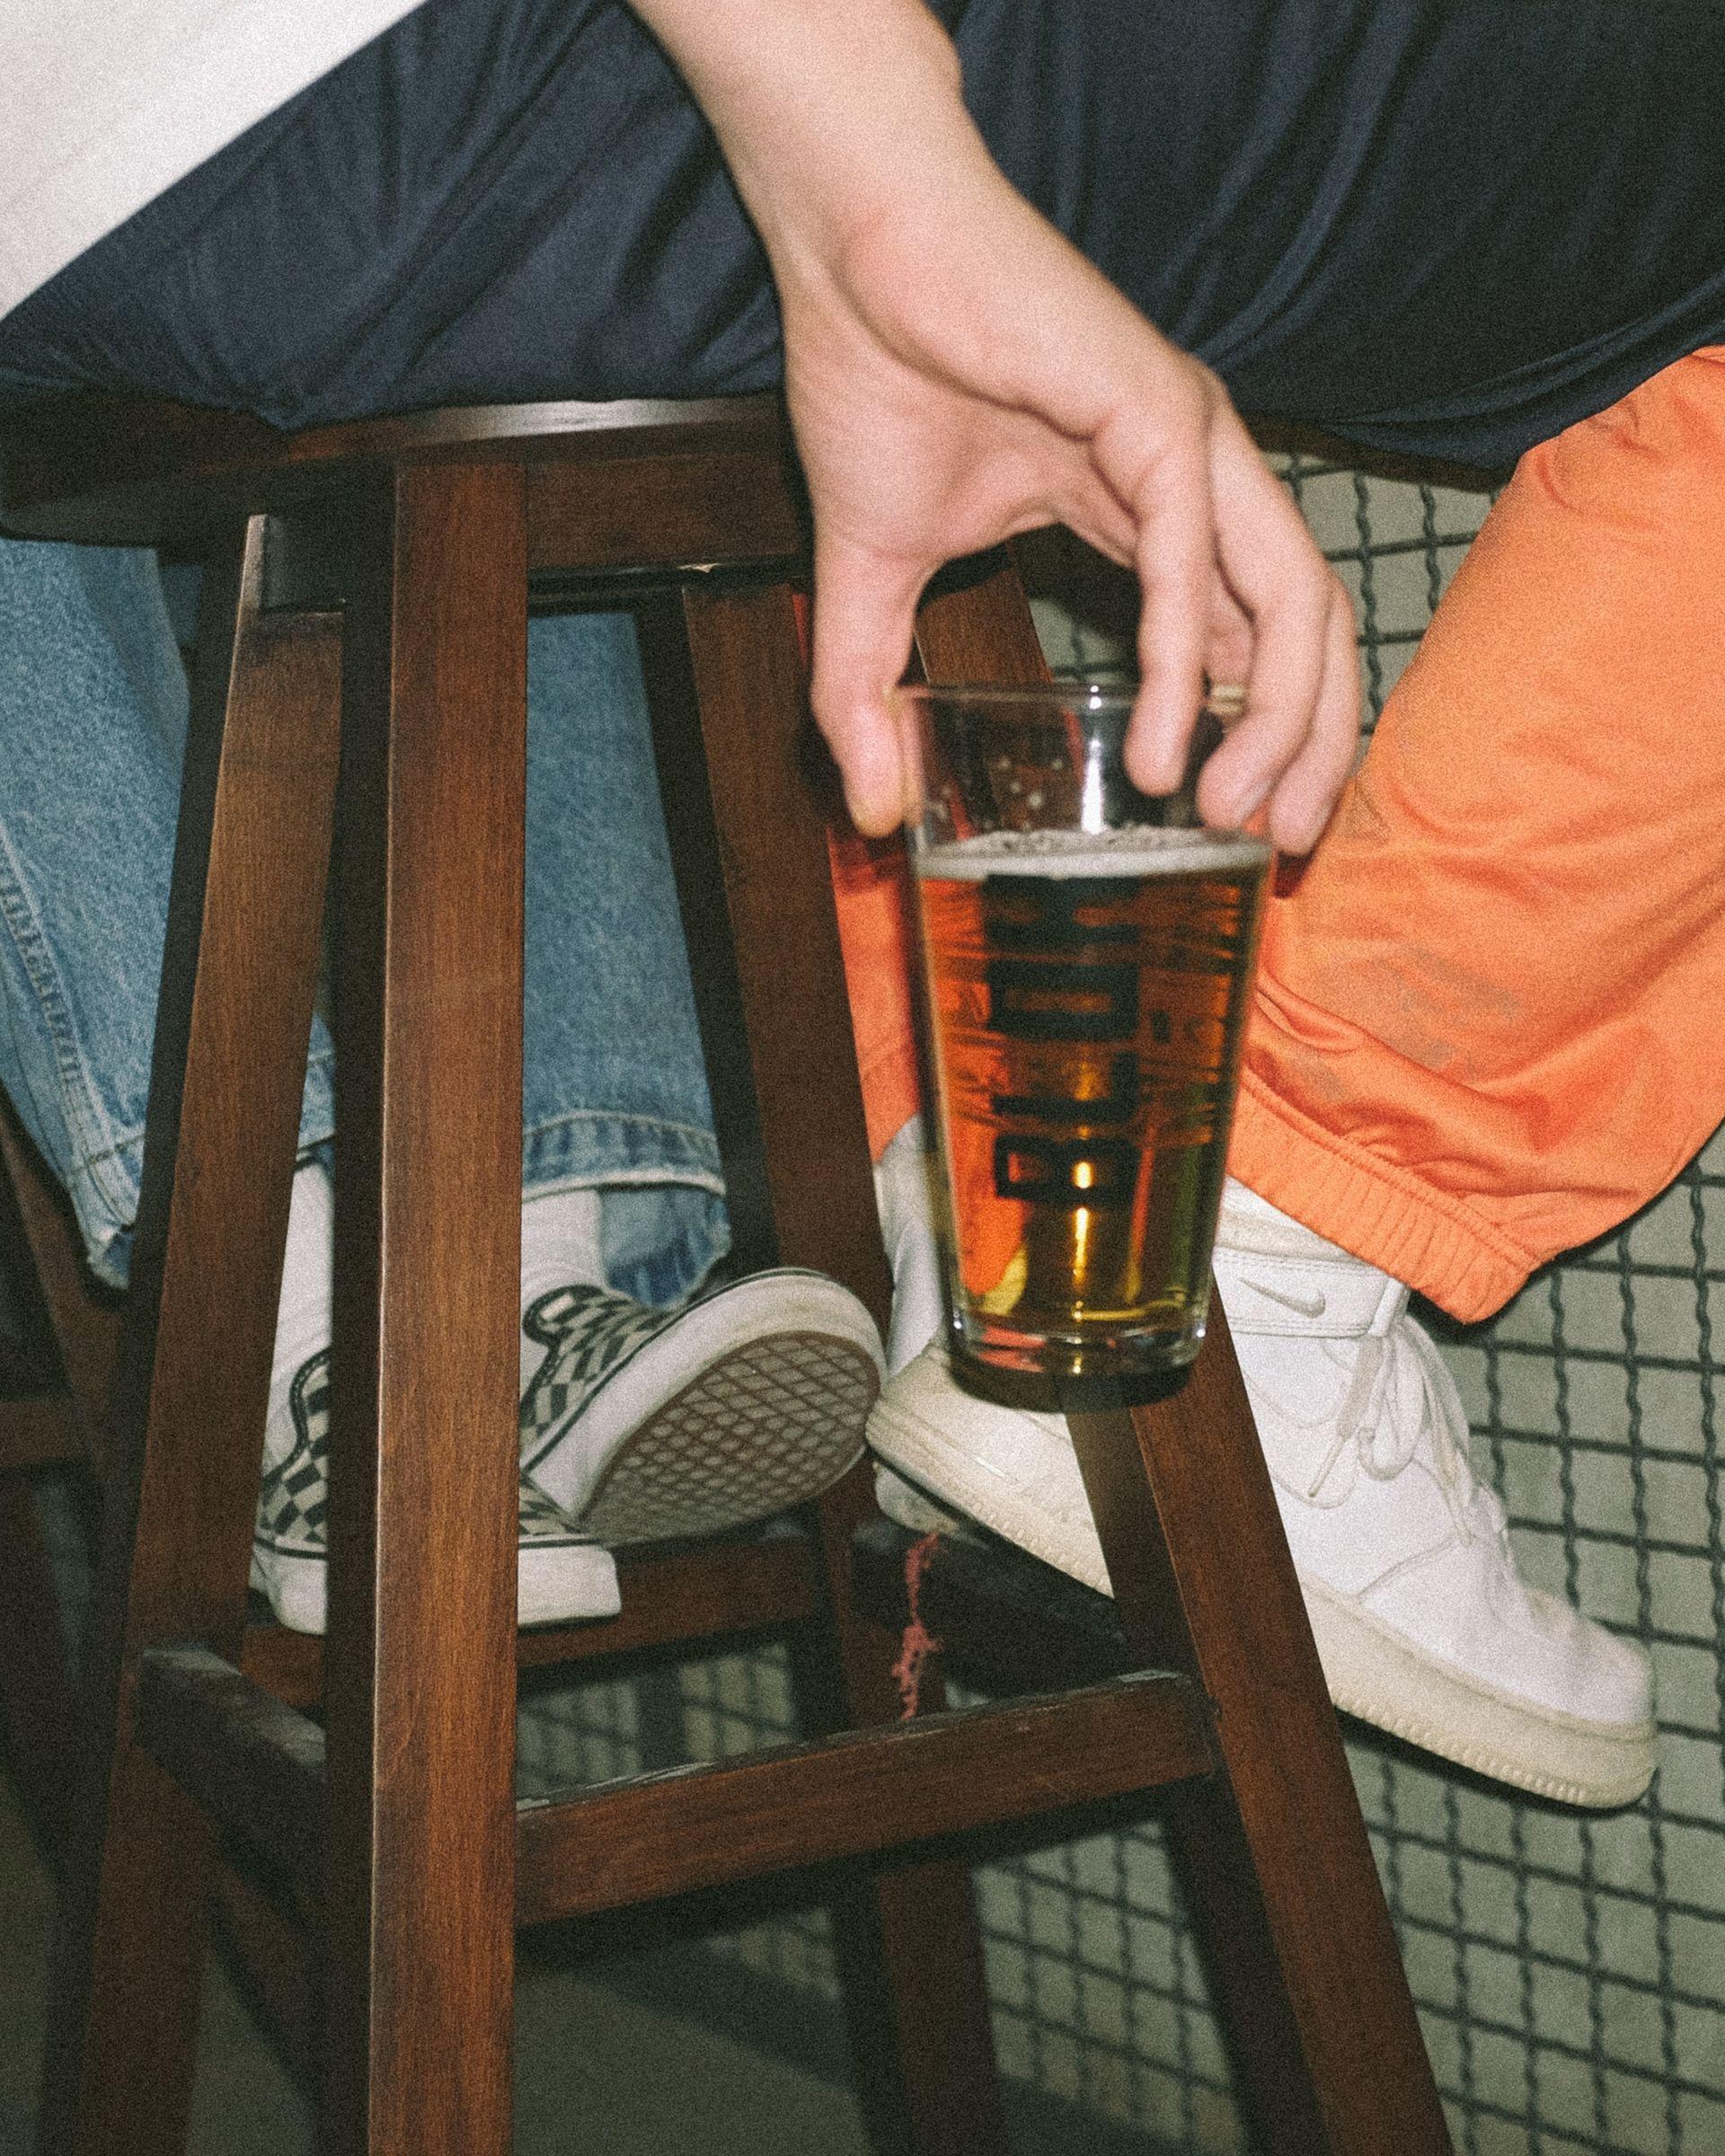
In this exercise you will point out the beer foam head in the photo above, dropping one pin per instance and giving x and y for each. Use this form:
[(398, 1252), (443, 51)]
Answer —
[(1137, 850)]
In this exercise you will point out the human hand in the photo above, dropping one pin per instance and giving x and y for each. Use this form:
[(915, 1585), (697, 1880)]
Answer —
[(957, 373), (954, 384)]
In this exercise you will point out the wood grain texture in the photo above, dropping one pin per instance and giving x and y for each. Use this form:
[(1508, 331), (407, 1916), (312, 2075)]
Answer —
[(421, 1658), (729, 505), (976, 626), (673, 1599), (258, 1769), (253, 1767), (1278, 1872), (748, 788), (849, 1795), (749, 848), (699, 482), (906, 1940), (238, 976)]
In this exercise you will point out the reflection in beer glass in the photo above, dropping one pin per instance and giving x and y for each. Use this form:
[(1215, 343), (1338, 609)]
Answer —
[(1088, 962)]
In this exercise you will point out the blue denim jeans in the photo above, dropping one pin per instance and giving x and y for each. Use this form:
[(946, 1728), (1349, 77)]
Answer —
[(92, 723)]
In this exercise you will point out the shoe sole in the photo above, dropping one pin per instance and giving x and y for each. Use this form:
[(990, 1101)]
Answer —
[(566, 1583), (1385, 1679), (1370, 1671), (753, 1401), (770, 1424)]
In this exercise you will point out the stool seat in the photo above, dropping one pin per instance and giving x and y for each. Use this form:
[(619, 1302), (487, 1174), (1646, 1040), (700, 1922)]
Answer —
[(660, 483), (361, 664)]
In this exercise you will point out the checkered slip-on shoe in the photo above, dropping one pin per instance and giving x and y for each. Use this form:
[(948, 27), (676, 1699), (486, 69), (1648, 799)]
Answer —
[(563, 1572), (644, 1425)]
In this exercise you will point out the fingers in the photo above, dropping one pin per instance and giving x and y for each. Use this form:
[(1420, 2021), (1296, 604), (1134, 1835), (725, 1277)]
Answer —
[(1301, 804), (864, 612), (1283, 585), (1153, 465), (1163, 478), (1232, 586), (1227, 656), (1288, 635)]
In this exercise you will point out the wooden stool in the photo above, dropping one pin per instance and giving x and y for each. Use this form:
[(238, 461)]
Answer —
[(362, 657)]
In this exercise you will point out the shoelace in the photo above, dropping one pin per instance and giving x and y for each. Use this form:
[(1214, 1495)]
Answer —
[(1396, 1397)]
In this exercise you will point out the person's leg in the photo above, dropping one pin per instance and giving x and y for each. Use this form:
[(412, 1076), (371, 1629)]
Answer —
[(620, 1183), (1482, 1035), (93, 722), (1409, 229), (1483, 1032), (92, 725), (1454, 283), (1484, 1026), (622, 1189), (1404, 219), (614, 1097), (1501, 300), (643, 1422)]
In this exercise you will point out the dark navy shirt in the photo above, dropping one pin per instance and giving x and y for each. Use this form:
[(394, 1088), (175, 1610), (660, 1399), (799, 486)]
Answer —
[(1446, 226)]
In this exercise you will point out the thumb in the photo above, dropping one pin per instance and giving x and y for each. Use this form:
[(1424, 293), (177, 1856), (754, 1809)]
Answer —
[(865, 608)]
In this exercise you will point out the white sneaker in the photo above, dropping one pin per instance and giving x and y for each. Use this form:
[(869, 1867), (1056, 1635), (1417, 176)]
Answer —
[(905, 1184), (1422, 1622), (643, 1424)]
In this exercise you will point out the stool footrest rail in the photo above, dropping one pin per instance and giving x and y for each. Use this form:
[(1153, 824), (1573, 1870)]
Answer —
[(256, 1768)]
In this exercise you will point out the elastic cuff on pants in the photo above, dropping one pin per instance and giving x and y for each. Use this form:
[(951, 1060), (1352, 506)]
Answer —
[(1378, 1212)]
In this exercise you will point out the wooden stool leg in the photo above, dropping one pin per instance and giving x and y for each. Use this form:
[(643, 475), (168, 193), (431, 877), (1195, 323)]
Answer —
[(238, 980), (908, 1942), (751, 852), (40, 1427), (1278, 1868), (421, 1663)]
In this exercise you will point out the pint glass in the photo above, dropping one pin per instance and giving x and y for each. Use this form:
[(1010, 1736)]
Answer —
[(1088, 954)]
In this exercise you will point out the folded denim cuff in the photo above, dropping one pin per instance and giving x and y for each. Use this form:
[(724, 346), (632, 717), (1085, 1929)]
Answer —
[(608, 1145), (663, 1224)]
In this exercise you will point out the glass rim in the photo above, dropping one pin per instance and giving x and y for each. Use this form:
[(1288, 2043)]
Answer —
[(1091, 695)]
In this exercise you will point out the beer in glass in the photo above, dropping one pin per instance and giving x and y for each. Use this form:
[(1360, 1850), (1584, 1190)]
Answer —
[(1087, 954)]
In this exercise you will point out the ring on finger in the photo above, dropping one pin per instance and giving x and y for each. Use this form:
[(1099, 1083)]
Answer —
[(1226, 700)]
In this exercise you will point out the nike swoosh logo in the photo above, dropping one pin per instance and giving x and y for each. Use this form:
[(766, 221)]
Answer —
[(1304, 1306)]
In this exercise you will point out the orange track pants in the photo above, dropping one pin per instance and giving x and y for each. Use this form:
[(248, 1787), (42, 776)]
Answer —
[(1491, 1015)]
